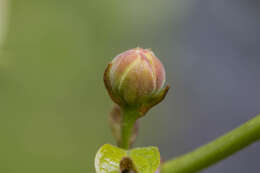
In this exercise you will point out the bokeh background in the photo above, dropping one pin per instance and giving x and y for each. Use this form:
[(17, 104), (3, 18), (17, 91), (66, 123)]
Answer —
[(53, 104)]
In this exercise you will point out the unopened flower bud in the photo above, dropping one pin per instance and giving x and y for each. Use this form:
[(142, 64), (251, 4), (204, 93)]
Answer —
[(136, 78)]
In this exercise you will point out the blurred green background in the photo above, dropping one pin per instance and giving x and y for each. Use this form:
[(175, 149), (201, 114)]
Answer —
[(53, 103)]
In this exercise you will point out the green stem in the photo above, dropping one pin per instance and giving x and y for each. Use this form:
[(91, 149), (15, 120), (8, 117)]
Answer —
[(129, 118), (216, 150)]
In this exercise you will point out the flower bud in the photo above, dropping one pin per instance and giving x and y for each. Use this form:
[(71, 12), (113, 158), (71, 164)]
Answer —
[(135, 78)]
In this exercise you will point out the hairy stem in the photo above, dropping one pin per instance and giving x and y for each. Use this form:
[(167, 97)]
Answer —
[(129, 118), (216, 150)]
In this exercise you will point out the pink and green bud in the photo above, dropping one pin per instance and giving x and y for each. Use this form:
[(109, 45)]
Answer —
[(135, 77)]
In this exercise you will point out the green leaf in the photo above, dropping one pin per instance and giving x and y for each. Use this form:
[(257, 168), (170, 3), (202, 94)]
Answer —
[(108, 159), (145, 160)]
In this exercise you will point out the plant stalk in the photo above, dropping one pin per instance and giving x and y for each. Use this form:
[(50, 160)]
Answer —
[(216, 150), (129, 118)]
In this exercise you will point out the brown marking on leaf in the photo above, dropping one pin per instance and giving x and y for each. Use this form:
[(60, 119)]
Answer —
[(127, 166)]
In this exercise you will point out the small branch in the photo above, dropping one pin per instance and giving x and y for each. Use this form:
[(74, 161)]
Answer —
[(216, 150)]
